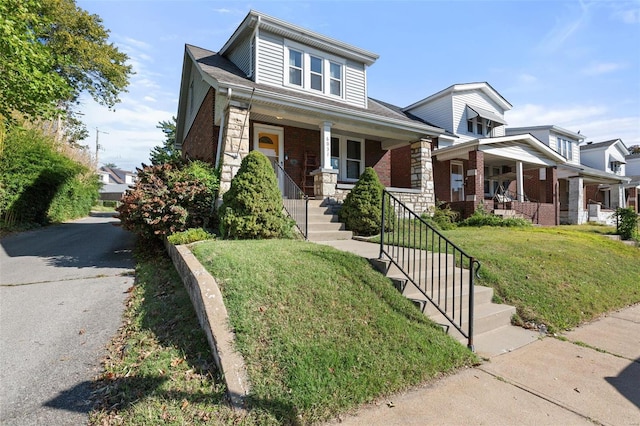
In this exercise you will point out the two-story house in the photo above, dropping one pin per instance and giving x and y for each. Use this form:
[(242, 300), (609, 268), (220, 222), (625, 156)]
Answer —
[(114, 182), (632, 189), (607, 193), (476, 162), (302, 99)]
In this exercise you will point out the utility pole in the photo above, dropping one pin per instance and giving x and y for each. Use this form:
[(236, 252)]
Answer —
[(98, 144)]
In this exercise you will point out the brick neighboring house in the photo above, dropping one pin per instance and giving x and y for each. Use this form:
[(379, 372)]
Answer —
[(300, 98)]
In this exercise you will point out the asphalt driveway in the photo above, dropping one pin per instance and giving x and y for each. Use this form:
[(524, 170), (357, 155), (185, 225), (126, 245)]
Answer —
[(62, 290)]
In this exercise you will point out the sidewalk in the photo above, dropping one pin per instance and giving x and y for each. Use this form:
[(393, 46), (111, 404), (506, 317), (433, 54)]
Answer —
[(547, 382)]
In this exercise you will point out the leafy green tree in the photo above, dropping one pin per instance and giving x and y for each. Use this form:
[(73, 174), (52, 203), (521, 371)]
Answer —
[(50, 52), (167, 152), (252, 207), (634, 149), (362, 208)]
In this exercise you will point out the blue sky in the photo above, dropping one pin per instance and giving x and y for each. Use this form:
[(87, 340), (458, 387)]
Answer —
[(575, 64)]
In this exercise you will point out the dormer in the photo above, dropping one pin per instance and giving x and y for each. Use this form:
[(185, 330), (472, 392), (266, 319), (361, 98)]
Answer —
[(563, 141), (608, 156), (276, 53), (469, 111)]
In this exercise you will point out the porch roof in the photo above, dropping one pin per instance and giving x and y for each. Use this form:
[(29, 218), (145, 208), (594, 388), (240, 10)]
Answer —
[(476, 111), (590, 175), (391, 126), (525, 148)]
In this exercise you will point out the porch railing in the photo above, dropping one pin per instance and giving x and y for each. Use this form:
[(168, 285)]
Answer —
[(434, 266), (508, 200), (294, 200)]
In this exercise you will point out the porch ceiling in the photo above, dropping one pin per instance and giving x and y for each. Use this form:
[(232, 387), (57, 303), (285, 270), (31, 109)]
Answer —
[(590, 176), (390, 136)]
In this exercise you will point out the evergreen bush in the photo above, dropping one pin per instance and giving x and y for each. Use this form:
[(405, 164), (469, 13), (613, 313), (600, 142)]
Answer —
[(362, 208), (481, 217), (169, 198), (442, 217), (252, 208)]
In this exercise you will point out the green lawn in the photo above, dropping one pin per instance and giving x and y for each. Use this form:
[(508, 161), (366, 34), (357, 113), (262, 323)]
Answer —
[(320, 330), (559, 276)]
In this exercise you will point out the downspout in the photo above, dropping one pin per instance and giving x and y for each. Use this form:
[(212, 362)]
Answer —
[(221, 132), (252, 69)]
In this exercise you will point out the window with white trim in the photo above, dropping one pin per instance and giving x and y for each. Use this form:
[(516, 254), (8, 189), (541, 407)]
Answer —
[(480, 126), (314, 71), (564, 148), (347, 156)]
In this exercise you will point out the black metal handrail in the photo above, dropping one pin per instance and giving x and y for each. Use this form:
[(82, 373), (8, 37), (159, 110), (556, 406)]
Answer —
[(441, 271), (294, 200)]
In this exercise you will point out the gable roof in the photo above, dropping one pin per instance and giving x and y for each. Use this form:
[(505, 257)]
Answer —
[(552, 127), (482, 86), (604, 145), (223, 75), (256, 20)]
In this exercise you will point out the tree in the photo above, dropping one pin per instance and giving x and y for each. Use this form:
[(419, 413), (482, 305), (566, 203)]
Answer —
[(167, 152), (634, 149), (252, 207), (50, 52)]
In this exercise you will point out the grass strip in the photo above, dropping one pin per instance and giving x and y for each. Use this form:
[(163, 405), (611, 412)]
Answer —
[(320, 330), (559, 276), (159, 369)]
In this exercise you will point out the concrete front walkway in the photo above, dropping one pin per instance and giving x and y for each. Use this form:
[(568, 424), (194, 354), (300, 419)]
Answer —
[(590, 375)]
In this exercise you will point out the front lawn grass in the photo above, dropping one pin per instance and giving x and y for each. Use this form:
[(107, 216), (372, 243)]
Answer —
[(320, 330), (558, 276)]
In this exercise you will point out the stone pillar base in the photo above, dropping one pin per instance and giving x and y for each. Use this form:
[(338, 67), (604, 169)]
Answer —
[(324, 182)]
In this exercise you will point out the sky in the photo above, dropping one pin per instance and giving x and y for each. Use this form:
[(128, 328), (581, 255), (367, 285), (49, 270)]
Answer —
[(573, 64)]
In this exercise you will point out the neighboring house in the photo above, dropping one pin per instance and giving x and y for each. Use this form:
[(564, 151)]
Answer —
[(476, 162), (632, 189), (608, 157), (114, 182), (300, 98)]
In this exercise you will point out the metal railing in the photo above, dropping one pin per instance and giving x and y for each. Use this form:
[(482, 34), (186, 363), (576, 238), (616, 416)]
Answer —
[(509, 200), (433, 265), (294, 200)]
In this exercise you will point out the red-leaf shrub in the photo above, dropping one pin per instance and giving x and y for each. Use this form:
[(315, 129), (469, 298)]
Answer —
[(167, 199)]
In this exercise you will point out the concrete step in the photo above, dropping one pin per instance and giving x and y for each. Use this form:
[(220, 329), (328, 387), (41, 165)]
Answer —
[(487, 317), (481, 295), (323, 218), (326, 226), (329, 235)]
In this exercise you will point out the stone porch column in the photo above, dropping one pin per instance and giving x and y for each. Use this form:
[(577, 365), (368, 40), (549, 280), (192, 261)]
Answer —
[(235, 143), (422, 173), (474, 183), (617, 196), (576, 201), (324, 182)]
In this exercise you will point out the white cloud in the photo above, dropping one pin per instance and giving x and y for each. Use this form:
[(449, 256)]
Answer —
[(602, 68), (628, 16), (592, 121), (527, 78), (149, 99)]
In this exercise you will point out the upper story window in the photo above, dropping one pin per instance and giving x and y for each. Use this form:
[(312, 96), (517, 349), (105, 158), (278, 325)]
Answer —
[(480, 126), (565, 148), (314, 71), (295, 67)]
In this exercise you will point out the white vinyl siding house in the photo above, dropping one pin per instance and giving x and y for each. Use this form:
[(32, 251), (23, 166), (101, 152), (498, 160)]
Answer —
[(608, 156), (462, 121), (241, 55), (436, 111), (564, 142)]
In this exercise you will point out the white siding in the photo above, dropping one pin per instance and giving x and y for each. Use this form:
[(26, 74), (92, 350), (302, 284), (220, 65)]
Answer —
[(633, 166), (355, 84), (195, 97), (241, 55), (594, 158), (437, 112), (472, 98), (544, 137), (270, 59)]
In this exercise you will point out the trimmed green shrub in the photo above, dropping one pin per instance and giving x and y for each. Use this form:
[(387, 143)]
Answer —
[(362, 208), (627, 220), (252, 207), (481, 217), (189, 236), (169, 198), (442, 217), (38, 184)]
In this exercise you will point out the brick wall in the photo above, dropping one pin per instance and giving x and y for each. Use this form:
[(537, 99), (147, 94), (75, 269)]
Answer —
[(201, 142), (401, 167), (379, 159), (442, 180)]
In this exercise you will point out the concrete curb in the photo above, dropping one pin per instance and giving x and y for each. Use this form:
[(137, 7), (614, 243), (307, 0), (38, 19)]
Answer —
[(214, 320)]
